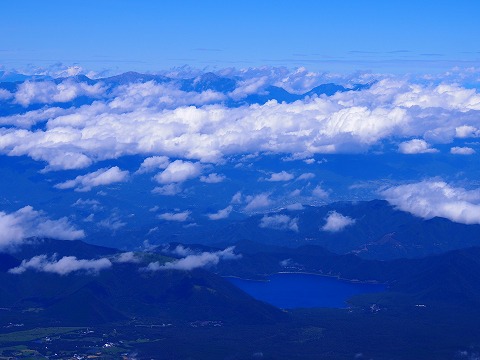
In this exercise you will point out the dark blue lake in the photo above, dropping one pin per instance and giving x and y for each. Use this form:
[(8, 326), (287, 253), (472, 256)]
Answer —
[(289, 291)]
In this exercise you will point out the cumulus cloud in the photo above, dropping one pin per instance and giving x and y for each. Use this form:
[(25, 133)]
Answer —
[(177, 216), (279, 222), (151, 119), (431, 198), (441, 96), (212, 178), (64, 266), (161, 96), (306, 176), (153, 163), (467, 131), (127, 257), (294, 207), (100, 177), (92, 204), (5, 94), (462, 150), (221, 214), (258, 202), (236, 198), (249, 86), (336, 222), (281, 176), (180, 250), (179, 171), (31, 92), (194, 261), (415, 146), (113, 222), (27, 222), (320, 193), (167, 190)]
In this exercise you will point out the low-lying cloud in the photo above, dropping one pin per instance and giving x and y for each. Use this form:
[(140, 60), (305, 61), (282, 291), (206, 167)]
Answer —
[(258, 202), (456, 150), (435, 198), (63, 266), (221, 214), (193, 261), (105, 176), (415, 146), (279, 222), (175, 216), (336, 222), (134, 120), (281, 176), (25, 223), (153, 163), (178, 171)]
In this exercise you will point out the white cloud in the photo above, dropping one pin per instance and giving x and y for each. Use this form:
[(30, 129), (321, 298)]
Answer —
[(5, 95), (415, 146), (67, 161), (248, 86), (306, 176), (294, 207), (279, 222), (441, 96), (178, 216), (127, 257), (467, 131), (430, 198), (337, 222), (150, 119), (92, 204), (221, 214), (462, 150), (27, 120), (113, 222), (320, 193), (153, 163), (151, 94), (100, 177), (281, 176), (194, 261), (295, 193), (179, 171), (167, 190), (181, 251), (212, 178), (236, 198), (30, 92), (27, 222), (64, 266), (258, 202)]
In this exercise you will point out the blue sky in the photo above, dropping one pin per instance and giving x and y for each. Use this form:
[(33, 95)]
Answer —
[(347, 35)]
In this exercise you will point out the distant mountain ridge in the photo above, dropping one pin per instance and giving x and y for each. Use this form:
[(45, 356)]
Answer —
[(379, 231), (204, 82)]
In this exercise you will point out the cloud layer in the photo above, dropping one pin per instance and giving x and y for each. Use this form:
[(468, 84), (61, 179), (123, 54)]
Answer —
[(63, 266), (194, 261), (430, 198), (100, 177), (155, 120), (279, 222), (27, 222), (336, 222)]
